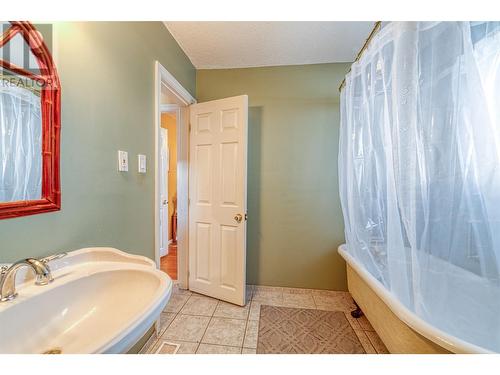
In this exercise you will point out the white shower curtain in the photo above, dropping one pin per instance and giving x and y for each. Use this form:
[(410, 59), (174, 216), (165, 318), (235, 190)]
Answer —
[(20, 144), (419, 170)]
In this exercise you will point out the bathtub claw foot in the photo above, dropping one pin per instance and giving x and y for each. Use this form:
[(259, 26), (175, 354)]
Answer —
[(358, 313)]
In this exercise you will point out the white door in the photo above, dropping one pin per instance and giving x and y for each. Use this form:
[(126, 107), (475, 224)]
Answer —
[(217, 196), (164, 166)]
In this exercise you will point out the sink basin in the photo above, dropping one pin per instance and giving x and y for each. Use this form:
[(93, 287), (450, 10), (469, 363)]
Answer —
[(102, 300)]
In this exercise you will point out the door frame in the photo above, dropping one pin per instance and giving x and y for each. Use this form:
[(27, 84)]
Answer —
[(163, 77)]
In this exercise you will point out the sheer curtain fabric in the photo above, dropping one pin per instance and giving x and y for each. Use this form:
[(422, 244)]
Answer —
[(419, 166)]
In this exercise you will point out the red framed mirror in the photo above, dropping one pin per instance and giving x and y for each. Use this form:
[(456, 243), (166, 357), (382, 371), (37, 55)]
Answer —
[(30, 123)]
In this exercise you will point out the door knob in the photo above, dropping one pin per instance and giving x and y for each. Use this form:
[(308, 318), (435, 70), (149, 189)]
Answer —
[(238, 218)]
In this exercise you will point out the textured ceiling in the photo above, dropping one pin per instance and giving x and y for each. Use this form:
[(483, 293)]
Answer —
[(212, 45)]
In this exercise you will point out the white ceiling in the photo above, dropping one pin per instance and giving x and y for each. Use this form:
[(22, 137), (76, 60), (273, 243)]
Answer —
[(212, 45)]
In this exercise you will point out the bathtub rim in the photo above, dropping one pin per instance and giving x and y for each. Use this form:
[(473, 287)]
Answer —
[(439, 337)]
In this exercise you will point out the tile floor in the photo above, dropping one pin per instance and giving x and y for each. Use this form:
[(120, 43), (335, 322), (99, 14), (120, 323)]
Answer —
[(201, 325)]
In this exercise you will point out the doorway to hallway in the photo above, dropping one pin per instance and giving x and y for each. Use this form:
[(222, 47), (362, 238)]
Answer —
[(168, 209)]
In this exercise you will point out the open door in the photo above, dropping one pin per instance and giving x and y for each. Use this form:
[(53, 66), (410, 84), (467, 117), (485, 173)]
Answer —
[(218, 198)]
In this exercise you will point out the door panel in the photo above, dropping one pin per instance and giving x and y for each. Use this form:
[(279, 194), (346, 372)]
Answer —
[(229, 263), (203, 250), (229, 174), (204, 179), (217, 180)]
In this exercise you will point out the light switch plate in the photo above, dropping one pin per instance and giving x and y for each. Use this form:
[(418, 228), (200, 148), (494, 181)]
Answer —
[(122, 161), (141, 160)]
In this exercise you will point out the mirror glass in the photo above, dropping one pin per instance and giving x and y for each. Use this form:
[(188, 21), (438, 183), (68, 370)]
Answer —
[(20, 126), (20, 144)]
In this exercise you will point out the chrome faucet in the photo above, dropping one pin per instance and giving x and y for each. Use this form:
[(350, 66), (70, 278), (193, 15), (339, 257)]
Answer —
[(39, 266)]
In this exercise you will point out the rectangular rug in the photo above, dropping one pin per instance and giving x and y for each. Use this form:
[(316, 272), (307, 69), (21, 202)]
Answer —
[(286, 330)]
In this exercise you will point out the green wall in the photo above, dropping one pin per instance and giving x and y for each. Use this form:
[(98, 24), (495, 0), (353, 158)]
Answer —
[(295, 221), (107, 76)]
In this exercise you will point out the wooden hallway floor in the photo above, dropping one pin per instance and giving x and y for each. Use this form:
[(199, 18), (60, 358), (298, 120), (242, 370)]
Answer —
[(168, 263)]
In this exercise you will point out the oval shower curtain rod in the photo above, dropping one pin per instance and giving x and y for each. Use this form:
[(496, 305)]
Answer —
[(375, 29)]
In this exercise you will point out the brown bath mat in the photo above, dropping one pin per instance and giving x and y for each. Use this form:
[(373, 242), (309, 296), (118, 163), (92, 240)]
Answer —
[(285, 330)]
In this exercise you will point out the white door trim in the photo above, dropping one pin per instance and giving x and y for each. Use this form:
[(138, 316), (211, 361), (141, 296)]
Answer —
[(163, 77), (170, 108)]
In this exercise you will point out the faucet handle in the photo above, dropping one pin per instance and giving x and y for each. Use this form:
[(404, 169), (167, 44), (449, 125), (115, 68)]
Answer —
[(3, 269), (50, 258)]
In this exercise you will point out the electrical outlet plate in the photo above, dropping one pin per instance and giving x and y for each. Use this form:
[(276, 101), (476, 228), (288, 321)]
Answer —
[(122, 161), (141, 161)]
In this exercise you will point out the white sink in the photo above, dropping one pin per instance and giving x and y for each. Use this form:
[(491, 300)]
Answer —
[(102, 300)]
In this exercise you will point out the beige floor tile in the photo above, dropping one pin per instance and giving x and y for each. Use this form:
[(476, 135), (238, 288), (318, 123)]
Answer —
[(185, 347), (350, 303), (334, 302), (304, 301), (265, 288), (175, 303), (325, 292), (187, 328), (348, 297), (377, 342), (251, 334), (369, 349), (199, 295), (165, 320), (274, 298), (365, 323), (297, 291), (217, 349), (248, 351), (254, 311), (353, 321), (222, 331), (248, 294), (198, 305), (228, 310), (177, 290)]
